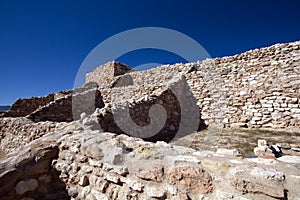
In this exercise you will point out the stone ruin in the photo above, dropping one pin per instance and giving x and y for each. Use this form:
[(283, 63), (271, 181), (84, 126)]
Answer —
[(93, 142), (104, 75), (257, 89)]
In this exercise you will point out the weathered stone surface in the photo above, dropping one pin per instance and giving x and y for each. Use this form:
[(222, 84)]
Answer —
[(172, 176), (16, 132), (289, 159), (72, 192), (92, 151), (69, 159), (23, 107), (147, 169), (157, 118), (230, 152), (218, 166), (190, 177), (105, 74), (155, 190), (258, 180), (249, 187), (70, 106)]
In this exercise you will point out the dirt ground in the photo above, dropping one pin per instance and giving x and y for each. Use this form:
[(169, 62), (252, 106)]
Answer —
[(242, 139)]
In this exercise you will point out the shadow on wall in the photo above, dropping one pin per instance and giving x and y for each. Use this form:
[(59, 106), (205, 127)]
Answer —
[(122, 81), (34, 178), (69, 108), (176, 115)]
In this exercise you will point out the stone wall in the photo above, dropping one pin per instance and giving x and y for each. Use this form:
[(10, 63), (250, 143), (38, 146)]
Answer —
[(156, 76), (69, 107), (104, 74), (151, 112), (29, 174), (258, 88), (23, 107), (68, 160), (17, 132)]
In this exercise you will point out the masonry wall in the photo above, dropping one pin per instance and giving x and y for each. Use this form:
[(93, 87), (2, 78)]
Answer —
[(25, 106), (16, 132), (104, 75), (258, 88), (70, 107), (151, 112)]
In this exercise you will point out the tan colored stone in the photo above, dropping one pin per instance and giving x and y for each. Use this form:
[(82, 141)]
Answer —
[(147, 169), (190, 177)]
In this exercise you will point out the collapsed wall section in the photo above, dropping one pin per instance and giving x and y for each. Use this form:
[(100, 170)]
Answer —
[(24, 106), (152, 112), (70, 107)]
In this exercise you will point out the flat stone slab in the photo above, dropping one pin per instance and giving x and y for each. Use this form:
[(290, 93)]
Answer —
[(289, 159)]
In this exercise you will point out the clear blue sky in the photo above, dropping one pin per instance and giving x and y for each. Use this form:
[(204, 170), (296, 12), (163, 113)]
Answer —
[(43, 43)]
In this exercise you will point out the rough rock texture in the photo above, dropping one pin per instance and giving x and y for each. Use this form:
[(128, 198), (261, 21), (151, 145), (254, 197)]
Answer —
[(69, 107), (90, 164), (191, 178), (153, 112), (45, 156), (107, 72), (23, 107), (16, 132), (62, 106), (258, 88), (29, 173)]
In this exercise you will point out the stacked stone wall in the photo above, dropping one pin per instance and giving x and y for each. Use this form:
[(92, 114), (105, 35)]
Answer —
[(169, 110), (16, 132), (258, 88), (104, 74), (23, 107), (69, 107)]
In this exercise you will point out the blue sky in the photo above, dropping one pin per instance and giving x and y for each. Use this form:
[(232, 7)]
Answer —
[(43, 43)]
